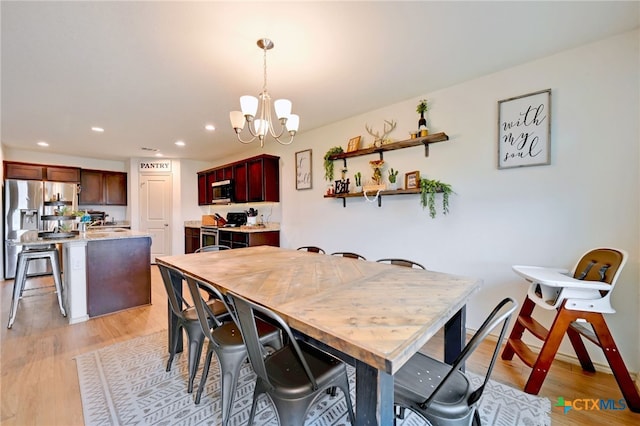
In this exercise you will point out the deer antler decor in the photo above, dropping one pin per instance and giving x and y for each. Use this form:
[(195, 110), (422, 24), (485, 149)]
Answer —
[(378, 140)]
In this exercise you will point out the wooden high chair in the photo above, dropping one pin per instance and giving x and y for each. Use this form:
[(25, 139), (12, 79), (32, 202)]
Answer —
[(580, 300)]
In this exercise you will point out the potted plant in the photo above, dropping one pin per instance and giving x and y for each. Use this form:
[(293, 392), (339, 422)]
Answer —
[(358, 179), (393, 176), (421, 109), (328, 164), (428, 190)]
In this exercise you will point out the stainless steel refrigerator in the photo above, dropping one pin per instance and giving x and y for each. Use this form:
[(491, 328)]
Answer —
[(24, 206)]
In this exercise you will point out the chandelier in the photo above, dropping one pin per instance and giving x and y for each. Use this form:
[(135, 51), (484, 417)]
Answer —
[(258, 127)]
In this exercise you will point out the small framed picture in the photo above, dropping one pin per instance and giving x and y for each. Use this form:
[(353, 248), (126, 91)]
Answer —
[(303, 169), (412, 180), (354, 144)]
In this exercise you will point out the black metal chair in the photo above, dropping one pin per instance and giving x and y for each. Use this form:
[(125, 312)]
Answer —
[(213, 247), (292, 376), (401, 262), (348, 254), (225, 339), (312, 249), (187, 319), (441, 393)]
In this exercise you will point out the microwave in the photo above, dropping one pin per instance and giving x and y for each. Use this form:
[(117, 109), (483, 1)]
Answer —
[(222, 192)]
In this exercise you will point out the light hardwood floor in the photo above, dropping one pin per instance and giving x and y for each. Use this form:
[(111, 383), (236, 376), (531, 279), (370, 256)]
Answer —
[(39, 384)]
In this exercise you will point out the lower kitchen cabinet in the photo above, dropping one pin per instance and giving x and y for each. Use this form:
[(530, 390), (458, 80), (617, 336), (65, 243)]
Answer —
[(191, 239), (118, 274), (238, 239)]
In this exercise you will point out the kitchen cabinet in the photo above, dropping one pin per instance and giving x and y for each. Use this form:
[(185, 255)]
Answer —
[(239, 239), (240, 183), (118, 274), (100, 187), (263, 182), (63, 174), (191, 239), (27, 171), (255, 179)]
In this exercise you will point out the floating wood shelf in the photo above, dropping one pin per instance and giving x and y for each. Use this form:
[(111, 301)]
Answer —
[(426, 141), (372, 194)]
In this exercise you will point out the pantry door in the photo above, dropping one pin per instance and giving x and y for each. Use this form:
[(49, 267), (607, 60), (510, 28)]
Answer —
[(155, 212)]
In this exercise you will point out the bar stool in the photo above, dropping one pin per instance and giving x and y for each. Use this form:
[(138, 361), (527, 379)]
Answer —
[(24, 257)]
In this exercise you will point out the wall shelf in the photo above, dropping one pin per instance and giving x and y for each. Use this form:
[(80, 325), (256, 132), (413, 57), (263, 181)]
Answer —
[(372, 194), (426, 141)]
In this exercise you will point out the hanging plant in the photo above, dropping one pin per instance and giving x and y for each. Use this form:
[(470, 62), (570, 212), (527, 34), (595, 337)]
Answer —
[(328, 163), (428, 190)]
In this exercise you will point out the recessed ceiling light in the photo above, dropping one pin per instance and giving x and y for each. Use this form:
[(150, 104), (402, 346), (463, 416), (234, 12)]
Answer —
[(210, 127), (43, 143), (180, 143), (97, 129), (159, 154)]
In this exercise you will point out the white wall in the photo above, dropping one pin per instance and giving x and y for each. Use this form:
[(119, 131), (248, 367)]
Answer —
[(544, 215)]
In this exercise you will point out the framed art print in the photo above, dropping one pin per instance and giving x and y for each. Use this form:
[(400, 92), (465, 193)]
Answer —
[(303, 169), (412, 180), (524, 130)]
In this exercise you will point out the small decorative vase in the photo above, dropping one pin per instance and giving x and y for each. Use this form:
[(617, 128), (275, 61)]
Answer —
[(357, 189), (252, 220), (392, 186)]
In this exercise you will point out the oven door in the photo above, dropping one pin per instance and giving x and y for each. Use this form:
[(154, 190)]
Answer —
[(208, 237)]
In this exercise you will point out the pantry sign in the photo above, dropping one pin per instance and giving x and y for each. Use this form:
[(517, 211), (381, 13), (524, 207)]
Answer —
[(155, 166)]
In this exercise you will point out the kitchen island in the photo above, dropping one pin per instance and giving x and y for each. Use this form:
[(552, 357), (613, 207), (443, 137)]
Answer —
[(104, 271)]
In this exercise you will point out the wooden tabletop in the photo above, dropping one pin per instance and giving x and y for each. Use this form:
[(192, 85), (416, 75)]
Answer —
[(377, 313)]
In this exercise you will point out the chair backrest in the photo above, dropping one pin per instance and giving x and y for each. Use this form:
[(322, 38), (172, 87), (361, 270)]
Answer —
[(402, 262), (206, 316), (213, 247), (601, 264), (171, 277), (348, 254), (501, 314), (246, 312), (312, 249)]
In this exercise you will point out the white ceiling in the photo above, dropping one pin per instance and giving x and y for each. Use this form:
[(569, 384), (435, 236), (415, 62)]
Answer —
[(152, 73)]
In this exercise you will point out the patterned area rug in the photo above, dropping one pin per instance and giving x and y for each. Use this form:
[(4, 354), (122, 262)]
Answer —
[(126, 384)]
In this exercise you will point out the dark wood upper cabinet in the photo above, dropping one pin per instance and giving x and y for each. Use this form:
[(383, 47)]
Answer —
[(255, 179), (202, 189), (240, 182), (115, 189), (100, 187), (91, 187), (27, 171), (63, 174)]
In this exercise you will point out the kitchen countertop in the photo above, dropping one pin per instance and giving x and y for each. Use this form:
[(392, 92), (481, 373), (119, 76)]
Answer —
[(256, 228), (91, 235), (245, 228)]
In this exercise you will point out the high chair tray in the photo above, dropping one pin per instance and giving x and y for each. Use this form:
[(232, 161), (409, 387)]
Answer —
[(555, 277)]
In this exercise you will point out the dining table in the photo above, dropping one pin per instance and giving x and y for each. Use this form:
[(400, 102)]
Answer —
[(372, 315)]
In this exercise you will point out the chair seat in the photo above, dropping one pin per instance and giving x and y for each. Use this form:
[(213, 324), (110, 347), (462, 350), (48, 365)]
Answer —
[(229, 336), (288, 376), (448, 401), (216, 306)]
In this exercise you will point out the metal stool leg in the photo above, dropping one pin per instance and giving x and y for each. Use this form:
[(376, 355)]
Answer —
[(18, 286), (57, 278)]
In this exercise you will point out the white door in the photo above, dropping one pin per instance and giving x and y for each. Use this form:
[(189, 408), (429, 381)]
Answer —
[(155, 212)]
